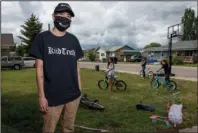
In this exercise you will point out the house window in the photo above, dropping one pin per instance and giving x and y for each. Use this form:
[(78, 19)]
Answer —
[(188, 53), (102, 54), (162, 54), (179, 53), (18, 58), (195, 53)]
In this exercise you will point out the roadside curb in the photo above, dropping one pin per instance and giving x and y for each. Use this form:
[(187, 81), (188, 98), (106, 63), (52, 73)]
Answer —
[(185, 67), (175, 77)]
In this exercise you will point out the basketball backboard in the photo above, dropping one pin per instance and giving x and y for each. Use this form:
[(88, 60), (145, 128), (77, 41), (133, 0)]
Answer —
[(176, 30)]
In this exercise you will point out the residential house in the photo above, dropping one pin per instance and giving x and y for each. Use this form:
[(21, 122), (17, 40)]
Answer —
[(184, 50), (7, 44), (123, 52)]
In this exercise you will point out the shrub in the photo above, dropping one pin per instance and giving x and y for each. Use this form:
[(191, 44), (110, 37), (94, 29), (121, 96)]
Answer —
[(104, 60), (91, 55), (177, 61)]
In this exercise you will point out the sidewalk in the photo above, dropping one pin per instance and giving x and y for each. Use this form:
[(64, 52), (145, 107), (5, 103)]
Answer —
[(184, 73), (182, 78), (189, 130)]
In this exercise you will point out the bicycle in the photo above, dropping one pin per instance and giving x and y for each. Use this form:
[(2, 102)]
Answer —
[(119, 84), (148, 73), (157, 81), (84, 101)]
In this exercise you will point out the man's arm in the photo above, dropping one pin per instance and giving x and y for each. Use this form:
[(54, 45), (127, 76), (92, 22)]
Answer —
[(43, 103), (142, 62), (160, 69), (79, 77), (39, 78)]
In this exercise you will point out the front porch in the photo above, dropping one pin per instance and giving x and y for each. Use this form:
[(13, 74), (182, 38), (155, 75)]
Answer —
[(188, 56), (185, 56), (127, 54)]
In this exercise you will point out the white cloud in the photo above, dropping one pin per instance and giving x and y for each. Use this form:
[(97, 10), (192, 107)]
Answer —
[(106, 23)]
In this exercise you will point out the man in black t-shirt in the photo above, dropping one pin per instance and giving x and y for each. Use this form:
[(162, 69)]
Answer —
[(58, 75)]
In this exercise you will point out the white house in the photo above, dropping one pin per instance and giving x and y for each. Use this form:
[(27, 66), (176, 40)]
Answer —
[(101, 54), (122, 52)]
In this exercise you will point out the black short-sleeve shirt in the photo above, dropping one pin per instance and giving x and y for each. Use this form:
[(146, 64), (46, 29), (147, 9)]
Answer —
[(166, 68), (59, 55)]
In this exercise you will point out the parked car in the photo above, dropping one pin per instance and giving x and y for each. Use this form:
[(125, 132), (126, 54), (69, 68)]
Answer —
[(136, 59), (29, 62), (13, 62), (151, 60)]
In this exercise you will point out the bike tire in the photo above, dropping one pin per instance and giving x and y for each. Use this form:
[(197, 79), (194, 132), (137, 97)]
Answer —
[(103, 85), (154, 84), (118, 82), (150, 75), (174, 84)]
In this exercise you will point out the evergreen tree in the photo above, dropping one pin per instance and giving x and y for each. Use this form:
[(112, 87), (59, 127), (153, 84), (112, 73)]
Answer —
[(30, 29)]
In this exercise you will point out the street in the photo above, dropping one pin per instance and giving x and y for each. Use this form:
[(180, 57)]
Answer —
[(180, 72)]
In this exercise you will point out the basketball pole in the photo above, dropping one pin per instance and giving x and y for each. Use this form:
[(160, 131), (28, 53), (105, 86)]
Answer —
[(172, 35), (170, 52)]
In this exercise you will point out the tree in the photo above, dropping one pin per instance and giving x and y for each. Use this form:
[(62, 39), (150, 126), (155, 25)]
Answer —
[(30, 29), (13, 48), (189, 21), (153, 44), (21, 50), (91, 55), (196, 27)]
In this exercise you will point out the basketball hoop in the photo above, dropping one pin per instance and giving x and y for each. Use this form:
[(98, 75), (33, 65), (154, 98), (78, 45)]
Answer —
[(175, 30)]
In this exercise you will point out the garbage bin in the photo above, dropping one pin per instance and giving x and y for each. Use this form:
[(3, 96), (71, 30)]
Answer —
[(97, 67)]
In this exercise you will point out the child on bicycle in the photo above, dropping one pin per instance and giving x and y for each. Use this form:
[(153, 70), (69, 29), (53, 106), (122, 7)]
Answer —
[(110, 72), (143, 64), (166, 68)]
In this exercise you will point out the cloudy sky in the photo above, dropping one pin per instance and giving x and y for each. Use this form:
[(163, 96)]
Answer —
[(104, 23)]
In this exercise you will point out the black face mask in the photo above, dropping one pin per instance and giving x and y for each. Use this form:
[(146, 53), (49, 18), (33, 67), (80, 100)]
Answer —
[(62, 23)]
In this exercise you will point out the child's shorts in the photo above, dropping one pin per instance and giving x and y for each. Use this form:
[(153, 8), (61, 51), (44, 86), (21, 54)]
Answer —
[(110, 76)]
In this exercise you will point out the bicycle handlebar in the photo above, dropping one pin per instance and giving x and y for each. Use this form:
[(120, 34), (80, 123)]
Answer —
[(157, 72)]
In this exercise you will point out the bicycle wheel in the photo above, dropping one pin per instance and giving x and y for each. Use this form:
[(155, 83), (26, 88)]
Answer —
[(172, 85), (154, 83), (120, 85), (103, 84), (150, 75)]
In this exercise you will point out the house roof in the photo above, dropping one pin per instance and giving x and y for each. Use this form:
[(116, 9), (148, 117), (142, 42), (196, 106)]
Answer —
[(7, 39), (181, 45), (111, 48), (114, 48)]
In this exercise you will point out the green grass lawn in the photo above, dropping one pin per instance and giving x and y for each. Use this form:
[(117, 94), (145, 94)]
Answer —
[(20, 112)]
